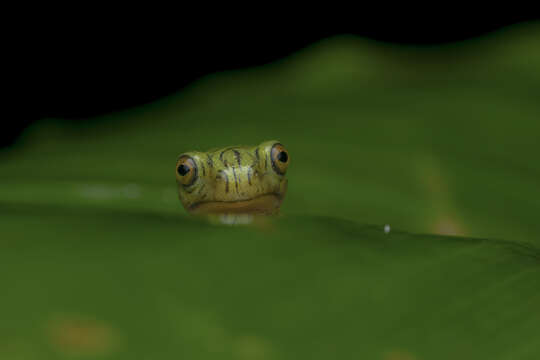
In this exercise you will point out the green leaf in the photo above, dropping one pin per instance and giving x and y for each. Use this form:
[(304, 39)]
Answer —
[(98, 259)]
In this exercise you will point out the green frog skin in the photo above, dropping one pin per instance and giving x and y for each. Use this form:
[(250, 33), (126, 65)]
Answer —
[(233, 180)]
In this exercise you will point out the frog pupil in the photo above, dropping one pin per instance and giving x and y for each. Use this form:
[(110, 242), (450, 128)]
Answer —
[(282, 156), (183, 169)]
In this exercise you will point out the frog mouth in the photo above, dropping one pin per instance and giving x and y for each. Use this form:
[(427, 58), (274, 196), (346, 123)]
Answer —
[(265, 205)]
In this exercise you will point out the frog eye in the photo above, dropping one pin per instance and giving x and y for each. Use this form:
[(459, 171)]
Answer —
[(280, 159), (186, 170)]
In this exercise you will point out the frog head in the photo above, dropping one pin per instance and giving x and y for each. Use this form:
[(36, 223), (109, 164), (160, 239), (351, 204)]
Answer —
[(233, 180)]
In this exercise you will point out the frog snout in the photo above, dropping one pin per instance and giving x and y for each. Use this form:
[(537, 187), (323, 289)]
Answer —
[(237, 182)]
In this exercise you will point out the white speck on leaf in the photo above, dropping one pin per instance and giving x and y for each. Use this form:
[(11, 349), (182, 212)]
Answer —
[(386, 229)]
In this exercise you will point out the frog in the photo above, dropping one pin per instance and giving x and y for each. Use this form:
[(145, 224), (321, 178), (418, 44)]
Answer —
[(234, 180)]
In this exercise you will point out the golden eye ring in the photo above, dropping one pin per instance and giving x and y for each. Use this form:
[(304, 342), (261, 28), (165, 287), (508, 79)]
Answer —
[(280, 158), (186, 170)]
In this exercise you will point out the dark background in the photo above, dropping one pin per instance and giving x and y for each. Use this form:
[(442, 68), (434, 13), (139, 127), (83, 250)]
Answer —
[(76, 72)]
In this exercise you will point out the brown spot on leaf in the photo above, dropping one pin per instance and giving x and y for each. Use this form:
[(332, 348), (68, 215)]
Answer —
[(445, 215), (250, 347), (75, 335), (447, 225)]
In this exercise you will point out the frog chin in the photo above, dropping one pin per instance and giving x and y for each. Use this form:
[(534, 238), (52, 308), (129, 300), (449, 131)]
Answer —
[(267, 204)]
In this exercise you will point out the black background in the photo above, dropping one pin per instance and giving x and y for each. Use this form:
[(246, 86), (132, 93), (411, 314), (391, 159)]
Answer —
[(75, 72)]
